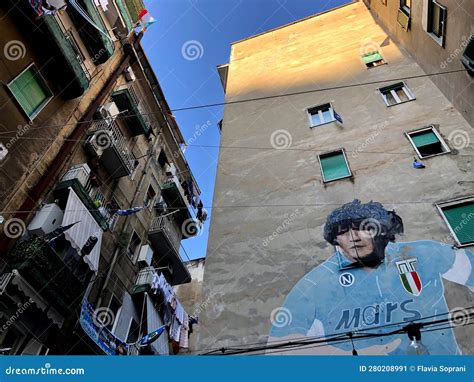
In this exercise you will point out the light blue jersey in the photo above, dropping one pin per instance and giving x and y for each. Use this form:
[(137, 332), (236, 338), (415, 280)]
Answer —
[(406, 286)]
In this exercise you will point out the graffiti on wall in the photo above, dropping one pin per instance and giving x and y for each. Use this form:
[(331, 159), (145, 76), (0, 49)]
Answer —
[(373, 284)]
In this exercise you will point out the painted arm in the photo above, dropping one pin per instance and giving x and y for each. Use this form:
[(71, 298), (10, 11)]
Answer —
[(461, 269)]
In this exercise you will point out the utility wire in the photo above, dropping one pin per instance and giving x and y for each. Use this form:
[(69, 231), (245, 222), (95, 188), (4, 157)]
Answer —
[(256, 206), (317, 90), (250, 99), (242, 346), (262, 148), (304, 339), (359, 339), (349, 335)]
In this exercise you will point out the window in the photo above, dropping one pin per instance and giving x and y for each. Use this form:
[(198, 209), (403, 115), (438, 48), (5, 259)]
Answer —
[(133, 331), (405, 5), (162, 159), (403, 18), (468, 56), (396, 94), (334, 166), (112, 218), (150, 196), (427, 142), (437, 21), (134, 246), (320, 115), (373, 59), (31, 92), (114, 309), (459, 216)]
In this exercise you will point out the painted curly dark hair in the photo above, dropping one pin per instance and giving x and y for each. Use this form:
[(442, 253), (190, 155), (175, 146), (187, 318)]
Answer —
[(355, 213)]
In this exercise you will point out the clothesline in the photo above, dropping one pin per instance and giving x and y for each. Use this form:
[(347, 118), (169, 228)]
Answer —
[(175, 317)]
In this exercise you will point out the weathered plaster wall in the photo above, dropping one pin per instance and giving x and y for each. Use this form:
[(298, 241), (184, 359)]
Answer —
[(261, 247)]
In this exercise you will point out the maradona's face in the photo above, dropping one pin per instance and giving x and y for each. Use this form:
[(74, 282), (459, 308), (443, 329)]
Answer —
[(356, 245)]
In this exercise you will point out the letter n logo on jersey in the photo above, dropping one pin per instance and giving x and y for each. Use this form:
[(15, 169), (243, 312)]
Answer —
[(409, 277)]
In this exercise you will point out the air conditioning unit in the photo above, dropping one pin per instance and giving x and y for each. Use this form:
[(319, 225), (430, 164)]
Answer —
[(97, 142), (170, 169), (145, 257), (46, 220), (109, 110), (403, 19), (129, 74)]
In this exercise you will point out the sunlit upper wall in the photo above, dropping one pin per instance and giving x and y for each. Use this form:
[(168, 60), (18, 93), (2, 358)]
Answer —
[(319, 51)]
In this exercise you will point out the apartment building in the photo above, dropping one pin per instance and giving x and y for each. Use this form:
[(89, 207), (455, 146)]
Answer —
[(439, 35), (96, 192), (346, 198)]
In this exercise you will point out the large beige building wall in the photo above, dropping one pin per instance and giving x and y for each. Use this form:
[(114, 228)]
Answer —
[(268, 232)]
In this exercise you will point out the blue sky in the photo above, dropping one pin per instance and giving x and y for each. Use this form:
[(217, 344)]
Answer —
[(189, 40)]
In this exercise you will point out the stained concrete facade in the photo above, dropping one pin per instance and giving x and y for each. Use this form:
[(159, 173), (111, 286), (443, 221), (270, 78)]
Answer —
[(269, 234), (432, 56), (60, 144)]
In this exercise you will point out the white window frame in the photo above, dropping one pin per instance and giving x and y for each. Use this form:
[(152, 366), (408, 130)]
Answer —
[(320, 113), (435, 131), (340, 150), (451, 203), (406, 90), (439, 40), (43, 82)]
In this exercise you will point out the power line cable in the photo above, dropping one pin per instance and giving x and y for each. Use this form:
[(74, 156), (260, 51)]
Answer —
[(262, 148), (241, 346), (259, 206), (346, 341), (350, 337), (255, 99), (354, 335)]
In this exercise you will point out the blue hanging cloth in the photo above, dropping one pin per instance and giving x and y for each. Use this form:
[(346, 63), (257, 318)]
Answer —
[(417, 164)]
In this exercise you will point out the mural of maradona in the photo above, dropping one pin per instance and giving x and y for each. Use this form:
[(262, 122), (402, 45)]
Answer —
[(371, 282)]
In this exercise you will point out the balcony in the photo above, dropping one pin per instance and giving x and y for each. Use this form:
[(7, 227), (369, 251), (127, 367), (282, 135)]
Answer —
[(78, 178), (59, 276), (106, 142), (165, 238), (128, 104), (173, 194), (100, 47), (71, 73), (144, 280)]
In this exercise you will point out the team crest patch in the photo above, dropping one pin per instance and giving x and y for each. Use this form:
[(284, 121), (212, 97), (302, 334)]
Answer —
[(409, 277)]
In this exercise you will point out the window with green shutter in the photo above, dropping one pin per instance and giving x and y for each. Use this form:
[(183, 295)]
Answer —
[(460, 218), (373, 59), (427, 142), (30, 91), (334, 166)]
